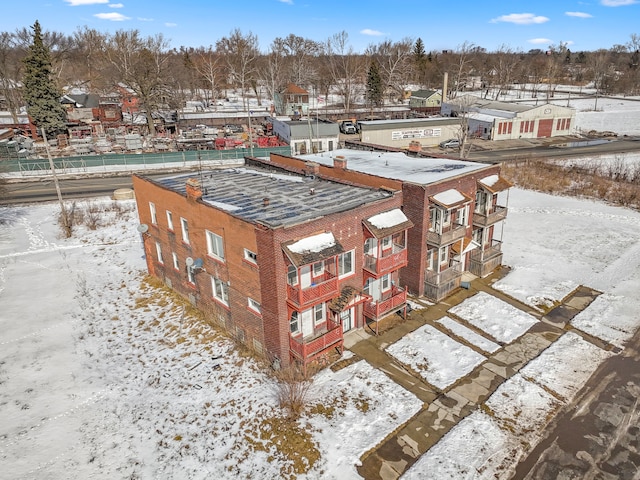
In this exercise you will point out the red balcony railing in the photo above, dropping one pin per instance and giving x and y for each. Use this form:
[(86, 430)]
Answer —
[(307, 349), (314, 293), (394, 299), (387, 263)]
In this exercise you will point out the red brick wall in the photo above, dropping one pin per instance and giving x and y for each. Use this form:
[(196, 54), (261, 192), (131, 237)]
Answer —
[(348, 230), (267, 283), (243, 277)]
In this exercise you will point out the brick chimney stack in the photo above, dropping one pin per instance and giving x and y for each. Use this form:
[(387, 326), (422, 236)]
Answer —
[(194, 191), (340, 162)]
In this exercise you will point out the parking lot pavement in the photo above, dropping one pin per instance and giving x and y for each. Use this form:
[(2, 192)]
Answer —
[(598, 434)]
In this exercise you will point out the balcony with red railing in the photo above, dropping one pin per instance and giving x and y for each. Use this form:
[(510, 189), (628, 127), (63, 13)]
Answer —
[(322, 288), (390, 301), (306, 349), (391, 260)]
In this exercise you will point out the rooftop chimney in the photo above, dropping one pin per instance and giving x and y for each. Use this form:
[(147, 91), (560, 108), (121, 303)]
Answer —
[(340, 162), (194, 192), (311, 168)]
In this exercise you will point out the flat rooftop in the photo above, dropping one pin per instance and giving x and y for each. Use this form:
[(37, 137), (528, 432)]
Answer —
[(398, 166), (272, 198)]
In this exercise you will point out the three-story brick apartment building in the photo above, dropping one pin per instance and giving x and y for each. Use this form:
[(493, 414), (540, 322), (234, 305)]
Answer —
[(286, 262), (457, 209)]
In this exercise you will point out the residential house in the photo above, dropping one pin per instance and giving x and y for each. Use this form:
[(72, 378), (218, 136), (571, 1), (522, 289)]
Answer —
[(425, 99), (287, 262), (457, 209), (293, 101), (493, 120)]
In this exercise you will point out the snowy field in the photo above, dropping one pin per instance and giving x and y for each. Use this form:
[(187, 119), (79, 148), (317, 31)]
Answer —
[(104, 376)]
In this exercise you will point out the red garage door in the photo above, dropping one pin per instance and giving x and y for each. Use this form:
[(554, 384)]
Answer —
[(544, 128)]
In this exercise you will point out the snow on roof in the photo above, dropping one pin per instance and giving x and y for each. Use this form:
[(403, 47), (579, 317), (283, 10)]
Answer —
[(222, 206), (490, 181), (398, 166), (278, 176), (388, 219), (449, 197), (314, 243)]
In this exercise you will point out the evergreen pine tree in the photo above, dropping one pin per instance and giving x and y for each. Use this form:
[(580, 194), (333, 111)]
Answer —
[(375, 90), (39, 89), (420, 60)]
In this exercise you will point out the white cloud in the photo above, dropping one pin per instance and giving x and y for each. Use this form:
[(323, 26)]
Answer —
[(374, 33), (143, 19), (617, 3), (170, 24), (578, 14), (521, 18), (114, 17), (116, 5), (75, 3), (540, 41), (288, 2)]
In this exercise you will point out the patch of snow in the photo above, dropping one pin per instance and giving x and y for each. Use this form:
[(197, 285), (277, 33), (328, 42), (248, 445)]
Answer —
[(566, 365), (608, 317), (449, 197), (314, 243), (275, 176), (222, 206), (388, 219), (495, 317), (469, 335), (490, 181), (439, 359)]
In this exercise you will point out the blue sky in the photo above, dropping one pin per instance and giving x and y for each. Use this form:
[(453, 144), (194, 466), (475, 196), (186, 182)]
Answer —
[(518, 24)]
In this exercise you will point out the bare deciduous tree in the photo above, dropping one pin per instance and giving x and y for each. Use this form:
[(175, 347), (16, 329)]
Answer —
[(240, 52), (345, 67)]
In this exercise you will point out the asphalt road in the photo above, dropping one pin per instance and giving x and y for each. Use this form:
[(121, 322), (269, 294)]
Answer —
[(40, 190)]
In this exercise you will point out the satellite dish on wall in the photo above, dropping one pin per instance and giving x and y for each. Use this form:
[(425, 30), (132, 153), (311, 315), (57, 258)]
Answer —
[(189, 261), (198, 263), (142, 228)]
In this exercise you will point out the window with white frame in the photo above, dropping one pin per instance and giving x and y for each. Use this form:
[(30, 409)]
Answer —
[(191, 278), (215, 245), (444, 254), (220, 290), (176, 264), (184, 225), (386, 242), (346, 264), (294, 322), (385, 282), (159, 252), (463, 215), (318, 314), (169, 220), (318, 269), (292, 275), (253, 305), (250, 256), (154, 215)]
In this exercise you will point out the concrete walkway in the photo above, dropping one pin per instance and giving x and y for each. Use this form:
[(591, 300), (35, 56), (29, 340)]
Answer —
[(444, 409)]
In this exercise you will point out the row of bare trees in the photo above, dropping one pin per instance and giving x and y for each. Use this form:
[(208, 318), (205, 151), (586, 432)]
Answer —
[(164, 77)]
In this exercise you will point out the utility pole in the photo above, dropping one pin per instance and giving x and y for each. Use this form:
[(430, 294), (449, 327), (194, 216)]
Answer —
[(63, 211), (250, 135)]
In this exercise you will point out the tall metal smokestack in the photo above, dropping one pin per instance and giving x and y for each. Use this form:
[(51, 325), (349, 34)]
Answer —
[(445, 82)]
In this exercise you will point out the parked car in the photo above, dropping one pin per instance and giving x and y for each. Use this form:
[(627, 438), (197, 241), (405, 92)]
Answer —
[(451, 143), (347, 127), (231, 129)]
